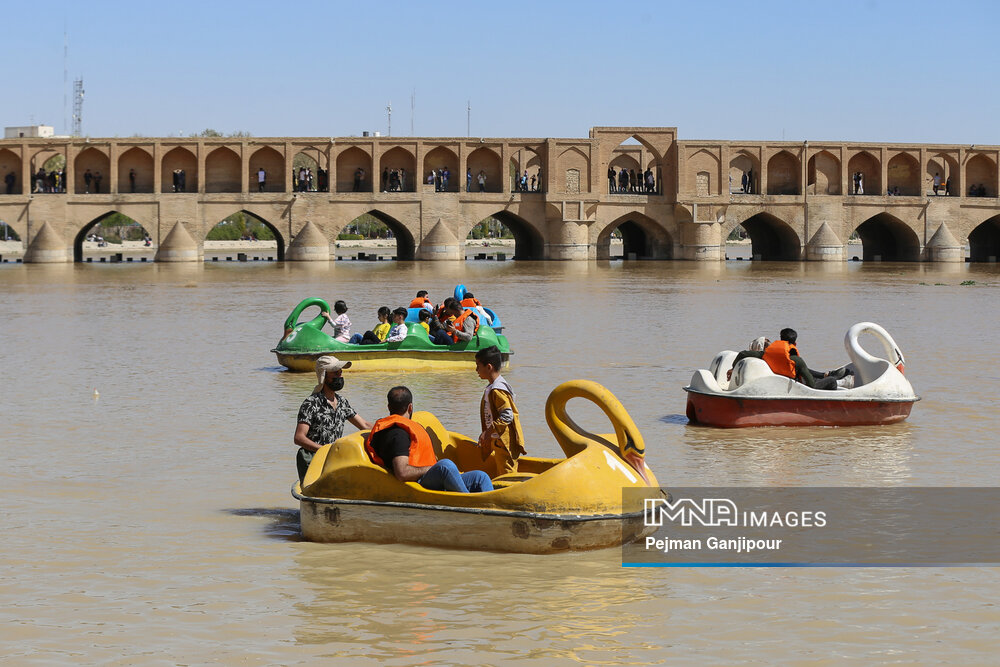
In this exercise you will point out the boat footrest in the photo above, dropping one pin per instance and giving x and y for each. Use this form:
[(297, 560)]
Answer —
[(511, 478)]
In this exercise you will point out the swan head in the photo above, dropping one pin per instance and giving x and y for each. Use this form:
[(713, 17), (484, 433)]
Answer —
[(633, 452)]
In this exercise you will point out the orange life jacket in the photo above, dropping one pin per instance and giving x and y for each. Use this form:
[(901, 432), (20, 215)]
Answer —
[(471, 303), (420, 302), (778, 356), (421, 451), (460, 320)]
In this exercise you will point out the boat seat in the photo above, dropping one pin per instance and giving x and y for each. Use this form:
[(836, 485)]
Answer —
[(512, 478)]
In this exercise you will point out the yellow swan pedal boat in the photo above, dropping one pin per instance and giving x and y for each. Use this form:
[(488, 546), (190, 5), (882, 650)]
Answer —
[(548, 505)]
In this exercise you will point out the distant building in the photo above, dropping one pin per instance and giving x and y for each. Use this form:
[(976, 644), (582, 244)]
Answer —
[(40, 131)]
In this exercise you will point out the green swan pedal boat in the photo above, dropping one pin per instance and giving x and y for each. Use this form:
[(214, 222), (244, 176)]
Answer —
[(548, 505), (304, 342)]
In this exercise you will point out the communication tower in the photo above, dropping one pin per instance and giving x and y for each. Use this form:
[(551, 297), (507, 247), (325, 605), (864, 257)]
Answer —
[(77, 107)]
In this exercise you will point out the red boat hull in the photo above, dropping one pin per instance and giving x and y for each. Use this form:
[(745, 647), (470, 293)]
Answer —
[(732, 412)]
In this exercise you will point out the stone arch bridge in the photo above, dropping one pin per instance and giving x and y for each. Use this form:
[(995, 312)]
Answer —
[(678, 199)]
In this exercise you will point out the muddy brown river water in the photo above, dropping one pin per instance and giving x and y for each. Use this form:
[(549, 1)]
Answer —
[(153, 524)]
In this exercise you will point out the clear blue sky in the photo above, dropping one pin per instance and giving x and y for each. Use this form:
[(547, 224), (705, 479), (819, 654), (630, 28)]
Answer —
[(864, 70)]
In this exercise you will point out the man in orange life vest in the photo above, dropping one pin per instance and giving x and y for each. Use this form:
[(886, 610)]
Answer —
[(465, 324), (783, 358), (472, 303), (402, 447), (422, 301)]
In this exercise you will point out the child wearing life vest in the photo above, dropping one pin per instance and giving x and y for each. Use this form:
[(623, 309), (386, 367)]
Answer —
[(501, 440)]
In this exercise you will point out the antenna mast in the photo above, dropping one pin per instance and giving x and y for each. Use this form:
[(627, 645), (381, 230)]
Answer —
[(65, 125), (77, 106), (388, 110), (468, 118)]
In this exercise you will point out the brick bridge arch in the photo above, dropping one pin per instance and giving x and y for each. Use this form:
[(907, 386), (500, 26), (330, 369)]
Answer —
[(642, 236), (771, 237)]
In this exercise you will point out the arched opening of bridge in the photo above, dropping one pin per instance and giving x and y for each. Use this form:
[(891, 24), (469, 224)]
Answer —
[(48, 172), (744, 174), (10, 172), (634, 236), (11, 246), (984, 241), (113, 237), (981, 176), (885, 238), (398, 171), (92, 169), (484, 166), (310, 171), (267, 171), (244, 236), (441, 170), (783, 174), (945, 168), (627, 173), (135, 171), (179, 171), (648, 167), (373, 235), (771, 239), (823, 174), (525, 170), (903, 176), (864, 174), (354, 171), (505, 232), (222, 171)]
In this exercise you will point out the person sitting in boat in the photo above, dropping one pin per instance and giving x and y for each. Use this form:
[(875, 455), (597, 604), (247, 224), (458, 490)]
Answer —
[(422, 301), (442, 311), (399, 328), (341, 325), (322, 415), (758, 344), (501, 438), (376, 335), (782, 356), (470, 301), (435, 330), (465, 323), (403, 448)]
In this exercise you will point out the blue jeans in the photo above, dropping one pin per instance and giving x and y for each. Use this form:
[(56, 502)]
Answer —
[(356, 339), (441, 337), (444, 476)]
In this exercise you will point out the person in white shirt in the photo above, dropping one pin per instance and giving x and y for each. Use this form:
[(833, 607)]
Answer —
[(399, 329)]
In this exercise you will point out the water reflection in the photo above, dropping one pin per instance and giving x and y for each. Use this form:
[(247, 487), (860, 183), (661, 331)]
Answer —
[(803, 456), (411, 604)]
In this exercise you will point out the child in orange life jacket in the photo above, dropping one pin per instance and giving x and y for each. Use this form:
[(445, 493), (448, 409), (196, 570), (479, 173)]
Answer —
[(502, 438)]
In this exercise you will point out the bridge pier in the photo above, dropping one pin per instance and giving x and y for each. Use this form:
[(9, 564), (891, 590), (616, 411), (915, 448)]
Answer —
[(570, 241), (47, 247)]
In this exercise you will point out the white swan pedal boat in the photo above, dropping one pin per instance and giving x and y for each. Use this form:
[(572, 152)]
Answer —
[(755, 396)]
